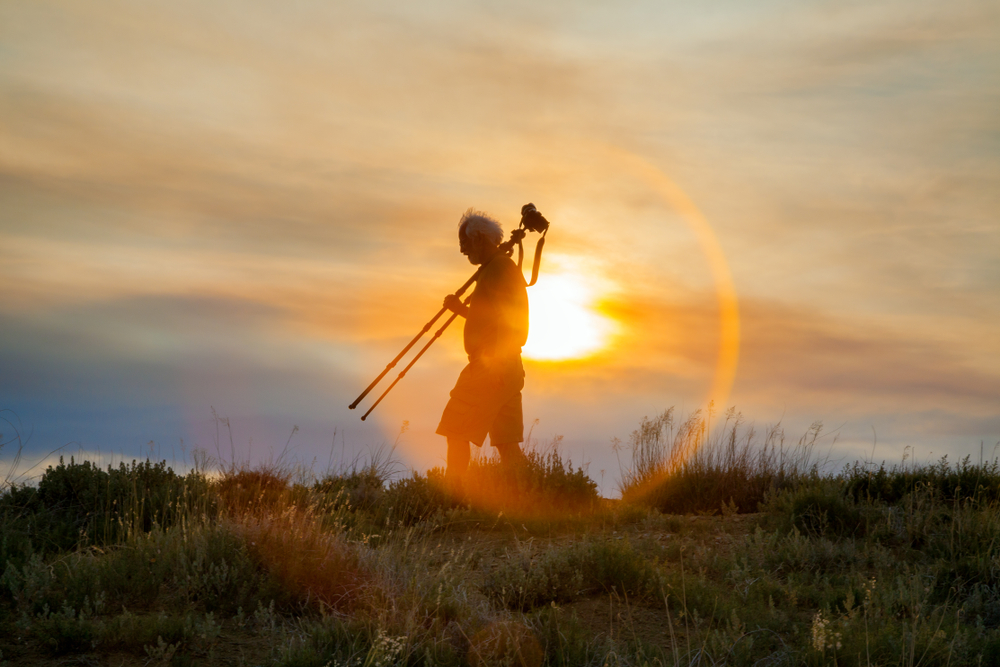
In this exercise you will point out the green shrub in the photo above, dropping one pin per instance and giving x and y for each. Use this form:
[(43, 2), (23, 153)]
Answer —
[(65, 632), (522, 582), (19, 505), (28, 587), (79, 503), (962, 483), (416, 498), (244, 490), (356, 490), (616, 565), (334, 641), (151, 633), (817, 507), (206, 568)]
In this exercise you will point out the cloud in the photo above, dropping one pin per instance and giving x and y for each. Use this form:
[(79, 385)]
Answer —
[(791, 357), (203, 200), (803, 355)]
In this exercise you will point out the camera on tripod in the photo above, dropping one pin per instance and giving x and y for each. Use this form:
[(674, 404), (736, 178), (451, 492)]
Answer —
[(532, 220)]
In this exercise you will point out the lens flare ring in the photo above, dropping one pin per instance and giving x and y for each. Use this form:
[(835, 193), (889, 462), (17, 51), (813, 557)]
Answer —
[(729, 314)]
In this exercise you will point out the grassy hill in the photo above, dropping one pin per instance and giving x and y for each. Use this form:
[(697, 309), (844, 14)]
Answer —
[(726, 549)]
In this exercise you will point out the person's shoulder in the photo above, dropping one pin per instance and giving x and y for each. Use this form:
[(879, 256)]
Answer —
[(503, 268), (503, 262), (498, 265)]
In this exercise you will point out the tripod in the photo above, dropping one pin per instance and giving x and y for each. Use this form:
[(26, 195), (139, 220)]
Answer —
[(531, 220)]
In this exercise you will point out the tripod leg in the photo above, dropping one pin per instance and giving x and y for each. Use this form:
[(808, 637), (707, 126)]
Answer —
[(395, 361), (427, 327), (437, 334)]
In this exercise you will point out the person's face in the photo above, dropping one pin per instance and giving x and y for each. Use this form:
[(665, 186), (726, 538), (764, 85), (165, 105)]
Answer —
[(473, 249)]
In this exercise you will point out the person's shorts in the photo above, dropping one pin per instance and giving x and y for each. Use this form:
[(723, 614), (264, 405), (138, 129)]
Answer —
[(486, 400)]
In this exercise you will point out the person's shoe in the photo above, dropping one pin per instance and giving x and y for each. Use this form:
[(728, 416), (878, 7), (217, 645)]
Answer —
[(513, 463), (454, 487), (511, 455)]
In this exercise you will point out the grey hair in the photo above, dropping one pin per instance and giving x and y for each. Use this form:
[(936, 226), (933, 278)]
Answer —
[(476, 223)]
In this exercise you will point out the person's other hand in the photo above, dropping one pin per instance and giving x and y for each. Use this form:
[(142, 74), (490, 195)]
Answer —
[(454, 303)]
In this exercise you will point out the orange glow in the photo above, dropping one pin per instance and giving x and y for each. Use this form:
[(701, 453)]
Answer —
[(564, 322)]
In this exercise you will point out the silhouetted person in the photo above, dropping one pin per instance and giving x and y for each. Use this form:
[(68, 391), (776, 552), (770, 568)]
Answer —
[(487, 397)]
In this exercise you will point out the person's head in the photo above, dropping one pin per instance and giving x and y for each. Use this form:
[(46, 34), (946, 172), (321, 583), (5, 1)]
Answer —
[(478, 236)]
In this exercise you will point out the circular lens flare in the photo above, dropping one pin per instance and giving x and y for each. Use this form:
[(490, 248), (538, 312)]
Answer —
[(728, 302), (563, 322)]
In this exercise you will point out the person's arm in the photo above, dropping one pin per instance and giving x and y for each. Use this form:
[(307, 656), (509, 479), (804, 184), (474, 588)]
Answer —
[(455, 305)]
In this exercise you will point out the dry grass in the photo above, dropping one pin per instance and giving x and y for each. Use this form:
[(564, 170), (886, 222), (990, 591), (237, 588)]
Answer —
[(263, 490), (350, 571), (684, 467), (545, 488), (313, 564)]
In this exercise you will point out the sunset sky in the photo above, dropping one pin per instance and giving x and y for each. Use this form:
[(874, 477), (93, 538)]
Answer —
[(793, 208)]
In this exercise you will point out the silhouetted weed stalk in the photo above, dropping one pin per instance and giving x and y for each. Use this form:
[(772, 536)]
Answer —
[(682, 467), (263, 564)]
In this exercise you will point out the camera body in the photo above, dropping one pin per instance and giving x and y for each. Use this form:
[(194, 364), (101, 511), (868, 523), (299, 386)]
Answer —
[(532, 220)]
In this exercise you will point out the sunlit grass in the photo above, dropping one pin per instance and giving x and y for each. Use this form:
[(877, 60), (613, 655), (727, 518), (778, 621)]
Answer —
[(683, 466), (757, 558)]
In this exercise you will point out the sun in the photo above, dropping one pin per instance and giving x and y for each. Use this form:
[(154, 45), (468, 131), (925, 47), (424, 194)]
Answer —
[(564, 322)]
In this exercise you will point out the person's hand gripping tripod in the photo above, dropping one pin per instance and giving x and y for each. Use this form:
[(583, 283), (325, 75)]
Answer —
[(531, 220)]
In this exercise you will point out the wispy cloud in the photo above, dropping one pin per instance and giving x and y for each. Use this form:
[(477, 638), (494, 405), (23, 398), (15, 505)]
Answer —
[(277, 189)]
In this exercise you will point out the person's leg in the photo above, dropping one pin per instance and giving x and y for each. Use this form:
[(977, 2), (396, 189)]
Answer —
[(465, 420), (459, 454), (507, 430), (511, 455)]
